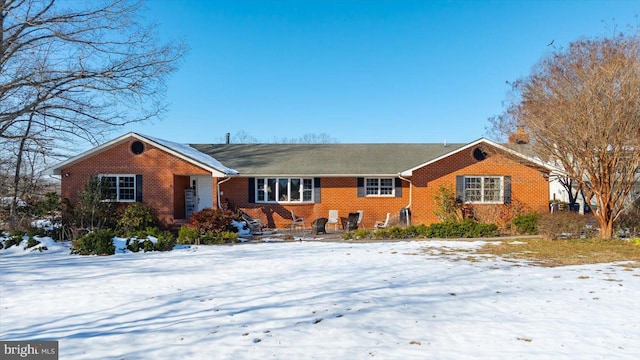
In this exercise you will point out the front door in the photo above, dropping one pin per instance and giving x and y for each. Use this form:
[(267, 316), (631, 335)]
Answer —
[(204, 191)]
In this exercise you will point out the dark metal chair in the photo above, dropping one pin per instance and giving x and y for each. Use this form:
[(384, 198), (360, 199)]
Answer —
[(350, 223), (318, 226)]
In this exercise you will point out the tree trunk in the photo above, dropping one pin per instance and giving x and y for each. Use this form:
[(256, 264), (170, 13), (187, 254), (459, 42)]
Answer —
[(16, 178), (606, 229)]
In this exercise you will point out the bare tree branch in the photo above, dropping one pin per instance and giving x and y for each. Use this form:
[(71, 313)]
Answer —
[(582, 109), (72, 71)]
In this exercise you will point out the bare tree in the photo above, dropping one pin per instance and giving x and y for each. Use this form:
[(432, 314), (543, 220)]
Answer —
[(581, 107), (73, 71), (243, 137), (321, 138)]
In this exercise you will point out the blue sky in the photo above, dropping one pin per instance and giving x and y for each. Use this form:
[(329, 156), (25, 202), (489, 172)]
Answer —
[(359, 71)]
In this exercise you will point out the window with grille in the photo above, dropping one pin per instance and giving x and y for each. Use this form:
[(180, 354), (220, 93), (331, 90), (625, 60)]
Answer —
[(284, 190), (119, 188), (379, 187), (483, 189)]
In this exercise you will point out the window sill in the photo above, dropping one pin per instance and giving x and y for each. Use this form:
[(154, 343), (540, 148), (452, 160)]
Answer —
[(484, 202), (286, 202)]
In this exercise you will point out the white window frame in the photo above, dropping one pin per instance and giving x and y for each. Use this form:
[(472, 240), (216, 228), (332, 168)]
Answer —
[(377, 189), (278, 190), (118, 188), (483, 190)]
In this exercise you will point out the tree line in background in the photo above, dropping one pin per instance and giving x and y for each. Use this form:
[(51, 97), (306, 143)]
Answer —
[(243, 137)]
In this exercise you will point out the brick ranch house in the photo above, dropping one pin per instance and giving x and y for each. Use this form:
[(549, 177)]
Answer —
[(267, 181)]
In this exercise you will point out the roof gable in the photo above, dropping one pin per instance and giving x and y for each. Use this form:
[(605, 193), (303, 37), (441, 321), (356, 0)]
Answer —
[(181, 151), (470, 145)]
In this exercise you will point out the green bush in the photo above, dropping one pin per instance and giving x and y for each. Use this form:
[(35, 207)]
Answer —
[(136, 217), (99, 242), (414, 231), (394, 232), (36, 231), (223, 237), (188, 235), (464, 229), (18, 233), (48, 206), (148, 245), (526, 224), (140, 241), (357, 234), (91, 211), (133, 245), (31, 242), (166, 241), (14, 240)]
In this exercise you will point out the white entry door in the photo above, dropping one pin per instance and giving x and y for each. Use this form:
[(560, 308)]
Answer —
[(204, 191)]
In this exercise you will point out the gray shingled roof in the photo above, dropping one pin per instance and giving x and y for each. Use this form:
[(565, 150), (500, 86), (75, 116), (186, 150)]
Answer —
[(324, 159)]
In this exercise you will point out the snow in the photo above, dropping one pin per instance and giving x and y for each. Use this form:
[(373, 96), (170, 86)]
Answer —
[(5, 202), (193, 153), (318, 300)]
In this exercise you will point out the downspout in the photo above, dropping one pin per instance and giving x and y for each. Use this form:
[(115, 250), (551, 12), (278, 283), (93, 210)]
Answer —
[(410, 196), (218, 190)]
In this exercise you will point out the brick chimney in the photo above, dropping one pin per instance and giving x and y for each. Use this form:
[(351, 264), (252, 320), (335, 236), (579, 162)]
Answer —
[(520, 137)]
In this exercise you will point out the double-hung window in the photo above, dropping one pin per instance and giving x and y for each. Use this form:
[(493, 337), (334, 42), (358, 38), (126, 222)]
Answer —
[(120, 188), (484, 189), (288, 190), (379, 187)]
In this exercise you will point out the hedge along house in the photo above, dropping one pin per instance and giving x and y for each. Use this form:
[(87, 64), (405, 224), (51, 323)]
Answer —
[(268, 181)]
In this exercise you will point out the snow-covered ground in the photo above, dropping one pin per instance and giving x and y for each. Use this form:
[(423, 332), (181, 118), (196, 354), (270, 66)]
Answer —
[(317, 300)]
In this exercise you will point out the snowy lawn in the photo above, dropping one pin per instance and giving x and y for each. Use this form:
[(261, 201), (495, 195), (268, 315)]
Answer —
[(318, 300)]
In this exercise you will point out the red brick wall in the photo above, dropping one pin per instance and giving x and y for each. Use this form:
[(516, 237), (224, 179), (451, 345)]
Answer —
[(336, 194), (163, 186), (157, 168), (528, 186)]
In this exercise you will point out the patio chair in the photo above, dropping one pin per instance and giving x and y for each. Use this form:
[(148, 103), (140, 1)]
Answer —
[(297, 221), (318, 226), (383, 224), (350, 223), (360, 216), (333, 218), (255, 225)]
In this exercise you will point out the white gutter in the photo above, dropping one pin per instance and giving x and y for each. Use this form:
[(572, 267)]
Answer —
[(218, 190), (410, 195)]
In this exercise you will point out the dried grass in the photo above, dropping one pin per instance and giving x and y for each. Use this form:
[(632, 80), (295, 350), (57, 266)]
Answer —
[(551, 253)]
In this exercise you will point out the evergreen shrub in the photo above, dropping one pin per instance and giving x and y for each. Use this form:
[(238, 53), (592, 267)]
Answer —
[(99, 242), (136, 217), (188, 235), (526, 224)]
